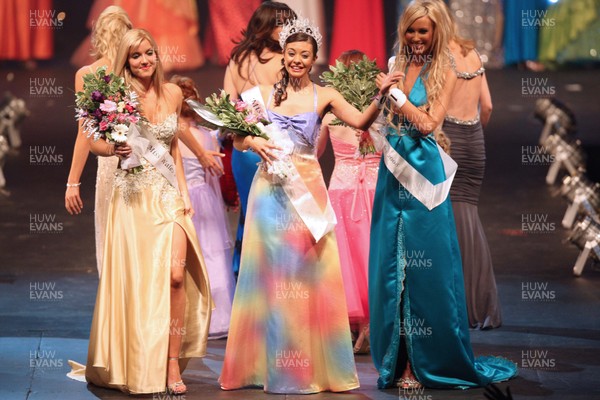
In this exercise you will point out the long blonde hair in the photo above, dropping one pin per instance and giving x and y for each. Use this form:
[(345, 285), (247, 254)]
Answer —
[(130, 41), (108, 30), (439, 60)]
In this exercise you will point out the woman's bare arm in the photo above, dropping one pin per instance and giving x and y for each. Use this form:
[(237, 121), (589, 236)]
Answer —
[(81, 150), (485, 102), (427, 122), (350, 115)]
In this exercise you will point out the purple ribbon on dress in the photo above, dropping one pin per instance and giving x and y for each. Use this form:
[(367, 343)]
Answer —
[(297, 123)]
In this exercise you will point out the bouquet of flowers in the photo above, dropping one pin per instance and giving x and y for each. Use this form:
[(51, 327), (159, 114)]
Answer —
[(107, 109), (235, 116), (356, 82), (245, 119)]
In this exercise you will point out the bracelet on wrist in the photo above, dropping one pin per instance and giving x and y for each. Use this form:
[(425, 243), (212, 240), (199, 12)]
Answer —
[(397, 97), (379, 101), (73, 184)]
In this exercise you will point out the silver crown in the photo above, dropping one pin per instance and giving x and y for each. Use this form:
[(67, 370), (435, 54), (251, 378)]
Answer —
[(300, 25)]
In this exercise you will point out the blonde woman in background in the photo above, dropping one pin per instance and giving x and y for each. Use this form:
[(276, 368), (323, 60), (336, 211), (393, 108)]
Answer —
[(108, 30)]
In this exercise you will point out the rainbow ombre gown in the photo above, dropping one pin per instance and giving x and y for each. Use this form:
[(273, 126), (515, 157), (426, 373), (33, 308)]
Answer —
[(289, 330)]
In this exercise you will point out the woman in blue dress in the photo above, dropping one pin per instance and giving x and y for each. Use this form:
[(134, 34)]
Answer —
[(256, 60), (522, 22), (419, 325)]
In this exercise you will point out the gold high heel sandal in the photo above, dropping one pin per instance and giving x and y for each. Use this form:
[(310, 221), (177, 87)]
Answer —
[(176, 388), (410, 383)]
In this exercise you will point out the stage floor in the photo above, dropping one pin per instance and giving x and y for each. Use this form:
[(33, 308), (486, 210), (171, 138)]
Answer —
[(48, 276)]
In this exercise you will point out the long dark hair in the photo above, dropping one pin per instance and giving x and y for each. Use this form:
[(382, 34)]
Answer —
[(257, 35), (281, 86)]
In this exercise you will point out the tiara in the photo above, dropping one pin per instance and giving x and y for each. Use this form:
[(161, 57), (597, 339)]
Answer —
[(299, 25)]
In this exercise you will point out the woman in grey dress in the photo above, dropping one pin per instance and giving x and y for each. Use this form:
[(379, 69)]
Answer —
[(468, 112)]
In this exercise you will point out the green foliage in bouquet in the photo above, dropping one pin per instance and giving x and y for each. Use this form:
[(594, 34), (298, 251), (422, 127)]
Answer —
[(105, 86), (355, 82)]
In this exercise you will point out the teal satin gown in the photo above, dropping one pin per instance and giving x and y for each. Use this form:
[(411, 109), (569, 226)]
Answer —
[(416, 289)]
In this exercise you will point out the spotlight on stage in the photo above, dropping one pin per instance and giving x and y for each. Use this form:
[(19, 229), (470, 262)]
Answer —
[(566, 155), (4, 149), (586, 236), (557, 118), (12, 112), (584, 198)]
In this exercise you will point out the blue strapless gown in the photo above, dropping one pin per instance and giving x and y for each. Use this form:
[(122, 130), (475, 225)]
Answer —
[(416, 289)]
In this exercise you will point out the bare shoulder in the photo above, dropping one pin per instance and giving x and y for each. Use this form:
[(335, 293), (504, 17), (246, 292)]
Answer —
[(473, 57), (173, 95), (83, 71), (233, 68), (87, 69), (172, 90), (326, 93)]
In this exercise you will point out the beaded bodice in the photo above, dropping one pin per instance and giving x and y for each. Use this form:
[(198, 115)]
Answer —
[(467, 75), (163, 131), (130, 183)]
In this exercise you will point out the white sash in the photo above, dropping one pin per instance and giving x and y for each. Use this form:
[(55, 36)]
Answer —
[(420, 187), (318, 222), (144, 145)]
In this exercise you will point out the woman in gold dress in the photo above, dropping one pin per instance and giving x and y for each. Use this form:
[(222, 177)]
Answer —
[(153, 305)]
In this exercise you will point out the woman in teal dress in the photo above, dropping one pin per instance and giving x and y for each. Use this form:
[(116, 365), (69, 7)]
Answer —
[(419, 325)]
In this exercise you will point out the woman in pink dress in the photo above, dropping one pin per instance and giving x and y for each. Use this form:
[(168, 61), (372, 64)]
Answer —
[(351, 190)]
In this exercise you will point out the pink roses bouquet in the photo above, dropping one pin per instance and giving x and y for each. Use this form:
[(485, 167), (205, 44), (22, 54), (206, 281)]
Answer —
[(106, 106)]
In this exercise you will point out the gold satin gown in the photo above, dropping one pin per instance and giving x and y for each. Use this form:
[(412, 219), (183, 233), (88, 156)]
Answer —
[(129, 337)]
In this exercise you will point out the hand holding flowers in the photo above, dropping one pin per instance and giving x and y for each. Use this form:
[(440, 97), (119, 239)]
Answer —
[(357, 83), (243, 119), (108, 109), (235, 116)]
